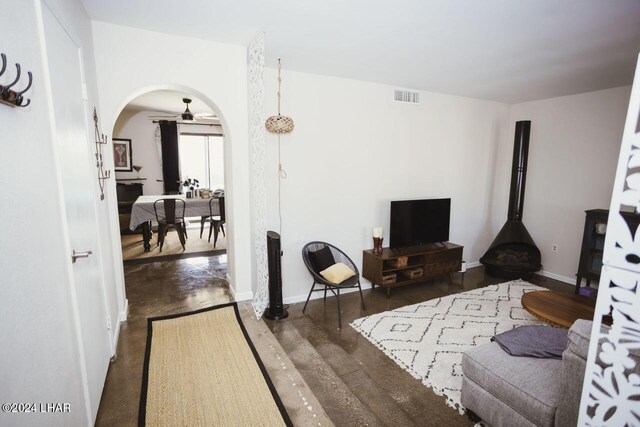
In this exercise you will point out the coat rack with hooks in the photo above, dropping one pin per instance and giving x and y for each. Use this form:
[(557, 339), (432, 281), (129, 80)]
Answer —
[(101, 139), (8, 96)]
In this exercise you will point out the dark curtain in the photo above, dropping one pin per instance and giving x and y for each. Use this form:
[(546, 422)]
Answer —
[(170, 157)]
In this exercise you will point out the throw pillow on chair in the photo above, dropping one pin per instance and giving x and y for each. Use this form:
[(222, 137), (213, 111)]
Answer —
[(321, 259), (337, 273)]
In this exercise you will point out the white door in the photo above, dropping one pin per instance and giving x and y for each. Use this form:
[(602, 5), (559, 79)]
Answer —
[(76, 166)]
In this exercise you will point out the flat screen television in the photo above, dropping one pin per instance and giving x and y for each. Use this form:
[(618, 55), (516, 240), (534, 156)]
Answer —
[(419, 222)]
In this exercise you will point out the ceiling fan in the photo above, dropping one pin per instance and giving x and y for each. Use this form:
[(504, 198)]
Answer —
[(188, 117)]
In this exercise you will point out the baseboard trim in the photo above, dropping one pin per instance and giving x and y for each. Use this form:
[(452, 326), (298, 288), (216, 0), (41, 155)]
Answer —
[(550, 275), (124, 314), (318, 294), (240, 296), (243, 296), (122, 317), (558, 277)]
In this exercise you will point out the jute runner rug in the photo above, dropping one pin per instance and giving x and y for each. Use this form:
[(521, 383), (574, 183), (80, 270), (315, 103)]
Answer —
[(201, 369)]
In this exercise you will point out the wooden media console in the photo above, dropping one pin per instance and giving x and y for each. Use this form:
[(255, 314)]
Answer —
[(435, 260)]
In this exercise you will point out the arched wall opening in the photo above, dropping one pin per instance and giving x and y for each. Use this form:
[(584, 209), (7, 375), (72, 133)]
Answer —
[(230, 199)]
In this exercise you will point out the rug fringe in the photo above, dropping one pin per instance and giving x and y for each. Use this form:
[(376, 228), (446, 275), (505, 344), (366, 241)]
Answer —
[(461, 410)]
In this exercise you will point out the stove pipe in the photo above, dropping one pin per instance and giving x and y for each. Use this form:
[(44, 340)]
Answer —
[(519, 170)]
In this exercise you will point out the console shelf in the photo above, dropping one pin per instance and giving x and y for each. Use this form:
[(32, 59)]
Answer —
[(386, 267), (435, 260)]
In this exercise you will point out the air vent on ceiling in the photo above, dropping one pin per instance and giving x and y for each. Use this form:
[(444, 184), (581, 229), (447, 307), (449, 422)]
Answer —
[(406, 96)]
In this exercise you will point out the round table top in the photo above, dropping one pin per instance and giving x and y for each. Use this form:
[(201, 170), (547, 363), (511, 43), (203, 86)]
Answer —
[(559, 308)]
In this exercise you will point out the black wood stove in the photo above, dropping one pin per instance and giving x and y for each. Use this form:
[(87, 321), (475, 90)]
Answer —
[(513, 253)]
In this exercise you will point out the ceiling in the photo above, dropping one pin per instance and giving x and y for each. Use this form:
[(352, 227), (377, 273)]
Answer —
[(503, 50), (167, 101)]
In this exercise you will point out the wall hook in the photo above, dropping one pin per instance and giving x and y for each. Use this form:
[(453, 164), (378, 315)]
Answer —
[(19, 97), (6, 92), (9, 96), (4, 63)]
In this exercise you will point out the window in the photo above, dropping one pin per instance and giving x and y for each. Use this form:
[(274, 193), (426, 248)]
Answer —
[(202, 158)]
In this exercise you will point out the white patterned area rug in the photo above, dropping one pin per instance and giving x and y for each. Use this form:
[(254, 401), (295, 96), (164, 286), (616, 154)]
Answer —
[(428, 339)]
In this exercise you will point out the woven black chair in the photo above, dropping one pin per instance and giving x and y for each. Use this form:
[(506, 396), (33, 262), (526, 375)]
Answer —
[(172, 217), (338, 256), (217, 221)]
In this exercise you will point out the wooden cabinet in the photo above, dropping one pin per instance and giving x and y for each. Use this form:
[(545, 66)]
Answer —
[(127, 194), (590, 263), (434, 260)]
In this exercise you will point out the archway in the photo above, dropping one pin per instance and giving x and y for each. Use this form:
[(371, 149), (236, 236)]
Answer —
[(212, 106)]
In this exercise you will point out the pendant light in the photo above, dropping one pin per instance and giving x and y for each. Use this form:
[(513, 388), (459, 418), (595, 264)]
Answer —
[(279, 124)]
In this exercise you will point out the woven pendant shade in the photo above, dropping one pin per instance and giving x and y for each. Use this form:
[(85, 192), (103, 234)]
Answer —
[(279, 124)]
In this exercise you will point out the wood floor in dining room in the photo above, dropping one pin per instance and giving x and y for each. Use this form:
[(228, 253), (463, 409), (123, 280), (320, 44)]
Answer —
[(133, 247), (354, 381)]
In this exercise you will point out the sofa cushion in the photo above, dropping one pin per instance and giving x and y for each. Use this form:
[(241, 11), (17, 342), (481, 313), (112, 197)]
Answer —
[(494, 412), (579, 337), (573, 367), (530, 386)]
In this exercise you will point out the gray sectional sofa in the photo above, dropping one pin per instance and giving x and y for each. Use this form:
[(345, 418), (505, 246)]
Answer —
[(524, 391)]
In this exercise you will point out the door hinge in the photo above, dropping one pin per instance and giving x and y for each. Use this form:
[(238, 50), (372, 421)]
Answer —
[(85, 93), (108, 322)]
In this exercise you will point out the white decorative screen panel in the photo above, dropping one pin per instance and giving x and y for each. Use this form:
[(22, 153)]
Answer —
[(258, 156), (611, 391)]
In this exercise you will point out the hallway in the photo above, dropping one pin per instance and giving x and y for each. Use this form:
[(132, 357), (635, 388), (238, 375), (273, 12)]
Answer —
[(155, 289), (170, 287)]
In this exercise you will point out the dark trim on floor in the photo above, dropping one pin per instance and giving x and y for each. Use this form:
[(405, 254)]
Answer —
[(142, 411), (173, 257)]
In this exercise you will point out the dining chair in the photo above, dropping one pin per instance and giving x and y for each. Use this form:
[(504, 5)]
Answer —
[(338, 256), (217, 221), (172, 217), (184, 221)]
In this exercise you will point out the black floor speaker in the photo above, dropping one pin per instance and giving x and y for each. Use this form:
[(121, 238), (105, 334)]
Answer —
[(276, 310)]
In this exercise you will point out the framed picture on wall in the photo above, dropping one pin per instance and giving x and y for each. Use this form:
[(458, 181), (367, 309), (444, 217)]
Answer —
[(122, 158)]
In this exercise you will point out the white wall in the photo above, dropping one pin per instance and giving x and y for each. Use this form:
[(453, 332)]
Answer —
[(39, 351), (573, 153), (136, 126), (354, 149), (76, 22), (131, 62)]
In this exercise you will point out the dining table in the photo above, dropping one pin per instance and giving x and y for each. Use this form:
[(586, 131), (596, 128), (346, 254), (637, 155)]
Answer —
[(143, 212)]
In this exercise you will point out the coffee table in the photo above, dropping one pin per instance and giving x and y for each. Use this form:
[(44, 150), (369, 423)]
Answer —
[(558, 308)]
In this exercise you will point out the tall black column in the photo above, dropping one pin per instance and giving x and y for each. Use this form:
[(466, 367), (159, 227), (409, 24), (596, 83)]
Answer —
[(276, 310)]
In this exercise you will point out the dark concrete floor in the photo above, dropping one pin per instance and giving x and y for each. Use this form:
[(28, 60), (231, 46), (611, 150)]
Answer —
[(354, 381), (177, 286), (155, 289)]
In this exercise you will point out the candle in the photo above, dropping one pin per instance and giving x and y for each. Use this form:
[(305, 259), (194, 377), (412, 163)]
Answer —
[(463, 267), (377, 231)]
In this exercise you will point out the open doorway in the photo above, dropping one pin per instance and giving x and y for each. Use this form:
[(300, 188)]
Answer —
[(169, 145)]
